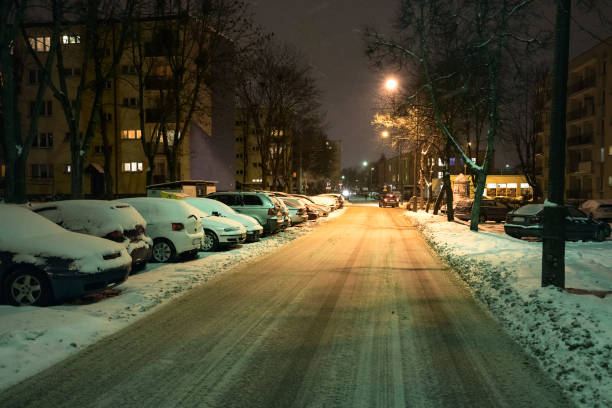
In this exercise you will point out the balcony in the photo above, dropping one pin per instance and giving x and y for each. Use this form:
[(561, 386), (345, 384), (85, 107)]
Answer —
[(579, 140), (582, 84), (580, 113), (581, 167)]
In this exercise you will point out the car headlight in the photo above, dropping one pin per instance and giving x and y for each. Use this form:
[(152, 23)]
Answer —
[(229, 229)]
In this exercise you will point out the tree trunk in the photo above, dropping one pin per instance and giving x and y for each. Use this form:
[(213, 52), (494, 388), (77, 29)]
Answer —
[(481, 181)]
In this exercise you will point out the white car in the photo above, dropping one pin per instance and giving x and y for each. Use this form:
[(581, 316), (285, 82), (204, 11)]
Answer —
[(254, 230), (112, 220), (600, 209), (219, 231), (297, 210), (327, 201), (175, 226)]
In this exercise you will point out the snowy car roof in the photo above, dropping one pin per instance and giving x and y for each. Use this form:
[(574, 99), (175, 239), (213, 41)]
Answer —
[(93, 217), (156, 210), (208, 205), (529, 209)]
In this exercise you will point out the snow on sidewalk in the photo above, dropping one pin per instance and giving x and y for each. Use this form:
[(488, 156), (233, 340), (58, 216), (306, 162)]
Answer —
[(33, 339), (569, 334)]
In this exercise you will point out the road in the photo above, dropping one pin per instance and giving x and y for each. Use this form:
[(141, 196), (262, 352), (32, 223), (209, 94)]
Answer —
[(359, 313)]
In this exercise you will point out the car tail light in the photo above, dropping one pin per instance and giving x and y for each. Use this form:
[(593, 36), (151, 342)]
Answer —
[(386, 199), (177, 226), (140, 229), (271, 211), (116, 236)]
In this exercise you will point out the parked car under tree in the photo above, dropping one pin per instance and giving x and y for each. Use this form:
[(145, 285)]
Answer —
[(490, 210), (527, 221)]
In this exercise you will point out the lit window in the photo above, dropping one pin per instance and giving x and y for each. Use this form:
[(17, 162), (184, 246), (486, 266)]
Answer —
[(452, 161), (132, 167), (610, 151), (524, 185), (474, 159), (439, 162), (68, 168), (71, 39), (440, 175), (491, 185), (131, 134), (511, 185), (40, 44)]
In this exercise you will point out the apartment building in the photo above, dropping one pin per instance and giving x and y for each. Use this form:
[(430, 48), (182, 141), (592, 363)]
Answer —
[(588, 171), (49, 161)]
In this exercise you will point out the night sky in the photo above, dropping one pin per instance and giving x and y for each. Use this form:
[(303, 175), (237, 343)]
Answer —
[(328, 33)]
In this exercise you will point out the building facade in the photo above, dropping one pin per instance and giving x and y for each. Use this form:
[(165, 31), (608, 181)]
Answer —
[(588, 168)]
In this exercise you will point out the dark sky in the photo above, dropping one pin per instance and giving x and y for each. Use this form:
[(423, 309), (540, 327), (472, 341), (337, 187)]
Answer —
[(328, 33)]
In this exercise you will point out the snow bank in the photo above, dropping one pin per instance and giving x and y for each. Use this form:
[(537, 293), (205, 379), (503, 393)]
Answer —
[(570, 335), (32, 339)]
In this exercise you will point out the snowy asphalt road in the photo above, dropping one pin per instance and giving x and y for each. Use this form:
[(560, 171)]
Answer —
[(356, 314)]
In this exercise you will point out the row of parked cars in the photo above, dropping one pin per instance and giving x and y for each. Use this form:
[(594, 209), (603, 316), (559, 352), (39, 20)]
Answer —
[(53, 251), (588, 222)]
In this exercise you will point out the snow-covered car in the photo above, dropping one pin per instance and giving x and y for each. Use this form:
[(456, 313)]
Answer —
[(173, 225), (328, 201), (527, 221), (339, 197), (283, 208), (42, 263), (322, 209), (112, 220), (255, 204), (599, 209), (219, 231), (297, 210), (218, 209)]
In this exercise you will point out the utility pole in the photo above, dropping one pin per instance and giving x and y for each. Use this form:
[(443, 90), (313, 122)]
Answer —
[(553, 235)]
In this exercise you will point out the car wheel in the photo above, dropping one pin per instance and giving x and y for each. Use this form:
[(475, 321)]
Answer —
[(600, 235), (139, 266), (482, 219), (163, 250), (28, 287), (211, 242)]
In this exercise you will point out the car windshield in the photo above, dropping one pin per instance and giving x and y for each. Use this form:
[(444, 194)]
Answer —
[(529, 209)]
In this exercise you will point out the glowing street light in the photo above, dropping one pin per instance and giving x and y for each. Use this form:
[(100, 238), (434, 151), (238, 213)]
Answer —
[(384, 134), (365, 163), (391, 84)]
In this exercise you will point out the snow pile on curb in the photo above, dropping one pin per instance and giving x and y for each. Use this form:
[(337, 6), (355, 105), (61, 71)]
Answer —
[(570, 335), (33, 339)]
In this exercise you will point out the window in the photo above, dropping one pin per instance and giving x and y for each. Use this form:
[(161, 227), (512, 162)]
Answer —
[(109, 84), (67, 168), (610, 151), (3, 171), (71, 39), (239, 172), (609, 181), (35, 76), (41, 171), (131, 134), (440, 175), (130, 101), (250, 199), (107, 117), (132, 167), (44, 139), (46, 108), (440, 162), (98, 149), (452, 161), (128, 70), (40, 44), (72, 71)]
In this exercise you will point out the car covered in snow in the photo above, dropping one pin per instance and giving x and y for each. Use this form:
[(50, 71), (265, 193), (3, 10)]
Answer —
[(218, 231), (527, 221), (112, 220), (173, 225), (42, 263), (297, 210), (600, 209), (255, 204), (219, 209), (322, 209)]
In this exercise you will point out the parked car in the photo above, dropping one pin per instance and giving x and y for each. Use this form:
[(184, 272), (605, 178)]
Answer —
[(42, 263), (388, 200), (337, 196), (527, 221), (172, 224), (218, 209), (286, 215), (598, 209), (218, 231), (112, 220), (328, 201), (297, 210), (255, 204), (323, 209), (490, 210)]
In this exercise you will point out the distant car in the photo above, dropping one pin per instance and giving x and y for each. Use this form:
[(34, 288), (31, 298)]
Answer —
[(175, 229), (337, 196), (331, 202), (255, 204), (527, 221), (42, 263), (599, 209), (490, 210), (297, 210), (218, 231), (388, 200), (112, 220), (323, 209), (218, 209)]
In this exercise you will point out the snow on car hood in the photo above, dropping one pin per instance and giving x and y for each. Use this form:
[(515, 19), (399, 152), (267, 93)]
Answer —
[(93, 217), (220, 223), (249, 222), (32, 238)]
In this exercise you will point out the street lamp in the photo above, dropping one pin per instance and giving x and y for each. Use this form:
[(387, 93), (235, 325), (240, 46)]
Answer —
[(365, 163), (391, 84), (384, 134)]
